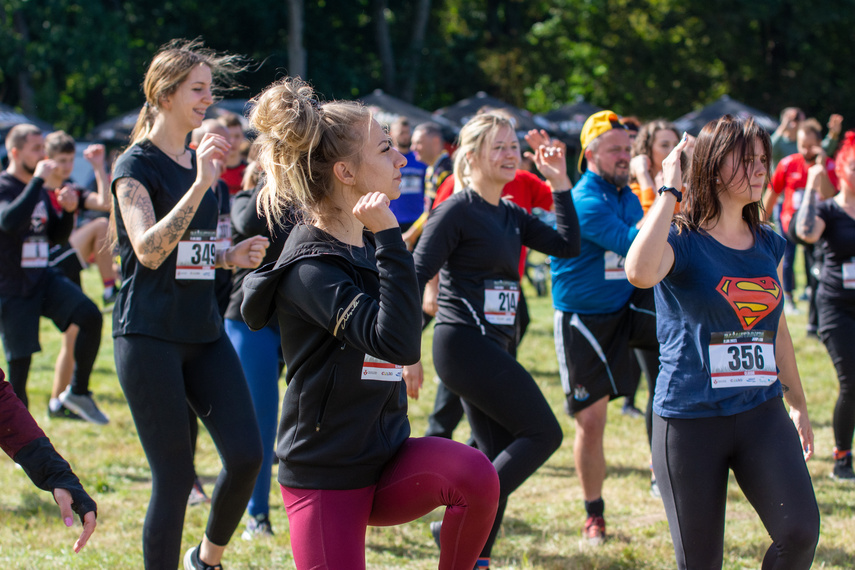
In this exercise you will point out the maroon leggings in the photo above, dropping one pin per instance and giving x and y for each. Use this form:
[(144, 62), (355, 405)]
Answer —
[(328, 526)]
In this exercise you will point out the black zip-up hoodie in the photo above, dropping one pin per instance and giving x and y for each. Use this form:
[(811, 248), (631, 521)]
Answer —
[(337, 304)]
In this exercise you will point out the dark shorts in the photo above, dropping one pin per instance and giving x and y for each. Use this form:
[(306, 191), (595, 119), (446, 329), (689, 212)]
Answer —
[(55, 297), (594, 351), (67, 260)]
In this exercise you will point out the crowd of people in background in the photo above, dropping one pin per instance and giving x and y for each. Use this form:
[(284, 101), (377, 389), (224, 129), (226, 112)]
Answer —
[(321, 243)]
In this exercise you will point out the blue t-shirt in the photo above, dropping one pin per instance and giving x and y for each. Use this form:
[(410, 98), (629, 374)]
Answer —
[(717, 316), (594, 282), (410, 205)]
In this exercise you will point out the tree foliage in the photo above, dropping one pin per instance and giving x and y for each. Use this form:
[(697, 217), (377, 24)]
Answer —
[(77, 64)]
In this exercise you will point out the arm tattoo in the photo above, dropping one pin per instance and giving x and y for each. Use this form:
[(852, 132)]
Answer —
[(785, 388), (177, 222), (155, 243), (806, 219)]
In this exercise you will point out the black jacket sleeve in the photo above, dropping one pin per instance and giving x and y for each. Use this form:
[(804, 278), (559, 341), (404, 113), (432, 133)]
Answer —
[(48, 471), (245, 218), (15, 215), (567, 241), (389, 329), (440, 237)]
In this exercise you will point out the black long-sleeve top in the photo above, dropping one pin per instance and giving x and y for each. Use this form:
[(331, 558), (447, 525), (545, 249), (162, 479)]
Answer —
[(26, 213), (475, 247)]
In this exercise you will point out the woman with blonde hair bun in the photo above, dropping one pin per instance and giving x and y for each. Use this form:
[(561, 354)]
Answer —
[(169, 345), (344, 293)]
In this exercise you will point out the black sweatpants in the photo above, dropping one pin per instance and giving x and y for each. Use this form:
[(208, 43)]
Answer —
[(159, 379), (511, 420), (691, 460)]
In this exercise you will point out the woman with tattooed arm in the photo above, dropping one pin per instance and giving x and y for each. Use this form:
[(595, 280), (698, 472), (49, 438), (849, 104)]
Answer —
[(170, 349), (833, 221)]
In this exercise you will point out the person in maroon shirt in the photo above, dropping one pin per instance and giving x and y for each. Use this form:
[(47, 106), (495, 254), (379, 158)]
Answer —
[(24, 441)]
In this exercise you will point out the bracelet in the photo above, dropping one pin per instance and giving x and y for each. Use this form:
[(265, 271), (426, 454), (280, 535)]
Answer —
[(672, 190), (224, 262)]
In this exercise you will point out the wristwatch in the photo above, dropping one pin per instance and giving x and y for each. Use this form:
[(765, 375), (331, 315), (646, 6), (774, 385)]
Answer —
[(673, 191)]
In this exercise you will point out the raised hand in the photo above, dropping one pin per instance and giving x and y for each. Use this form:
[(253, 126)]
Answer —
[(373, 211), (213, 148), (95, 154)]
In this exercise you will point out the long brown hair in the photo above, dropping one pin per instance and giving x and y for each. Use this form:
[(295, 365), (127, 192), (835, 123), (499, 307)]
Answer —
[(170, 66), (718, 138)]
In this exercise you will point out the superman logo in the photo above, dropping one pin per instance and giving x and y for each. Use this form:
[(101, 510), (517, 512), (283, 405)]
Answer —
[(750, 298)]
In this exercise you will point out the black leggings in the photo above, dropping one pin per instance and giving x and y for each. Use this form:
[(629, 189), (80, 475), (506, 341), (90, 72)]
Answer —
[(691, 459), (837, 331), (159, 379), (88, 318), (511, 420)]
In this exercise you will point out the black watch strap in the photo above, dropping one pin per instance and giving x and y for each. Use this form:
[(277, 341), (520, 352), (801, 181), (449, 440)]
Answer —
[(673, 191)]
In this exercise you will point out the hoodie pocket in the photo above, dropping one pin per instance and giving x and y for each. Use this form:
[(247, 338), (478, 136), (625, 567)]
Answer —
[(325, 399)]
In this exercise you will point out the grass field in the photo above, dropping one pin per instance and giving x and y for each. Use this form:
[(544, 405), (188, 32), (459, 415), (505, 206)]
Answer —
[(542, 523)]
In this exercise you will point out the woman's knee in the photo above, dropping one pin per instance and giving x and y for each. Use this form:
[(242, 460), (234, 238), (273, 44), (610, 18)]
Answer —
[(476, 478), (245, 460)]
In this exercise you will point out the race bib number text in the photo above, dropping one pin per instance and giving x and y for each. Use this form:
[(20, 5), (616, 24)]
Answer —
[(197, 255), (742, 358), (500, 301), (614, 266)]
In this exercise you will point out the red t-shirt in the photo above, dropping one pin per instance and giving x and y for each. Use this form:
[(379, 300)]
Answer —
[(525, 190), (790, 177), (234, 178)]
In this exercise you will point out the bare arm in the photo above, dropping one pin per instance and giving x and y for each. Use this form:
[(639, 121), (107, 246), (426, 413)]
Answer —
[(794, 394), (808, 226), (101, 200), (770, 197), (154, 240)]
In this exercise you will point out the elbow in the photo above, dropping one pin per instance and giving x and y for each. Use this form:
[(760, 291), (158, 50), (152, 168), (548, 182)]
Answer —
[(638, 277), (150, 261)]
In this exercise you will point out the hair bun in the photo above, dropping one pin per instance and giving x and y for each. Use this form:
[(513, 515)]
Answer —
[(288, 112)]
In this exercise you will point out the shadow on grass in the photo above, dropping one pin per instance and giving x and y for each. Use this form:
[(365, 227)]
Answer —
[(417, 547), (836, 509), (554, 470), (833, 556), (33, 504)]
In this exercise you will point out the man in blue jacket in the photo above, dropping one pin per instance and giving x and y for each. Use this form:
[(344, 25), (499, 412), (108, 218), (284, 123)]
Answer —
[(599, 315)]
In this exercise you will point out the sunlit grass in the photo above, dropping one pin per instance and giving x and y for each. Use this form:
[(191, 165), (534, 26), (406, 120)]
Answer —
[(543, 519)]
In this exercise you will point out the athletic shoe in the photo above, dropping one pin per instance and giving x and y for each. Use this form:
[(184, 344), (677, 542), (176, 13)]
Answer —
[(197, 494), (192, 562), (62, 413), (843, 467), (594, 531), (654, 489), (84, 406), (258, 527), (109, 296), (435, 529), (631, 411)]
